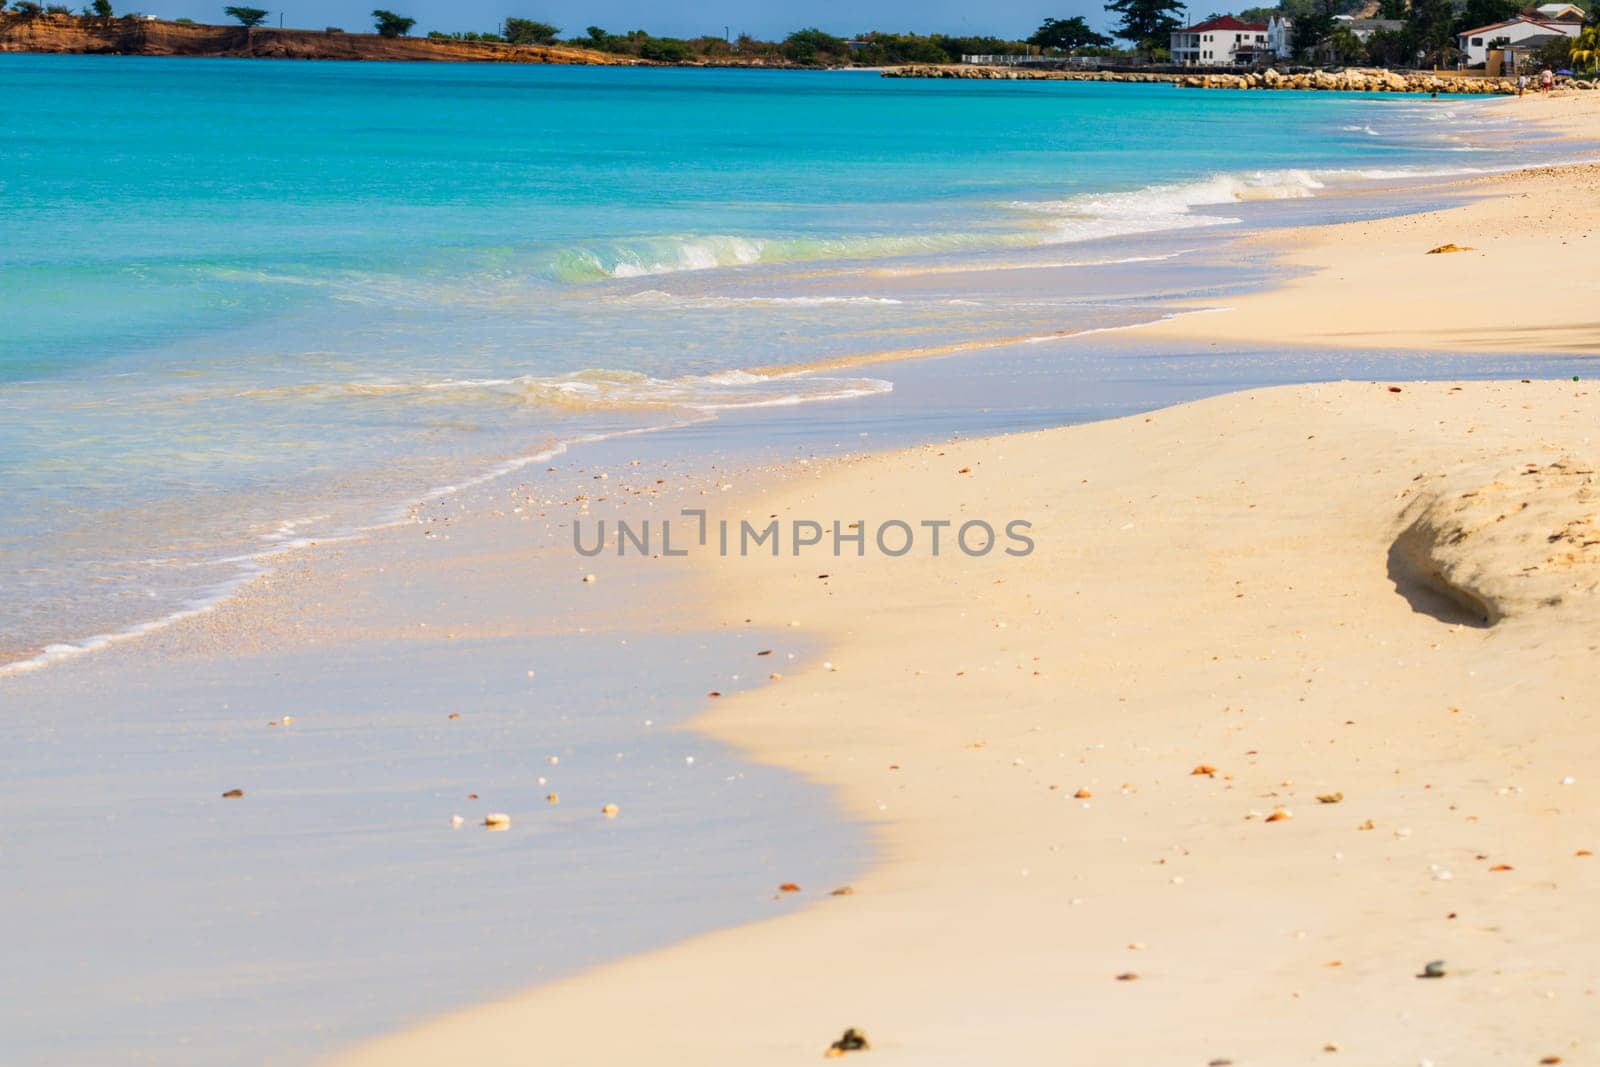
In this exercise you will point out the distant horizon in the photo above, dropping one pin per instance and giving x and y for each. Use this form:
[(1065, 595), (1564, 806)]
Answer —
[(1012, 19)]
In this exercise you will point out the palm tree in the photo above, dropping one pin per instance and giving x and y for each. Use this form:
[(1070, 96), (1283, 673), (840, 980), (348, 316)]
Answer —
[(1586, 49)]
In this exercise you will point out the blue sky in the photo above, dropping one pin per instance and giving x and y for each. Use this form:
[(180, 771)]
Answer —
[(1006, 18)]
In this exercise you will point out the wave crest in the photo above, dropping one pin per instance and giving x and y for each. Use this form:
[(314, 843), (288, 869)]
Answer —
[(596, 390)]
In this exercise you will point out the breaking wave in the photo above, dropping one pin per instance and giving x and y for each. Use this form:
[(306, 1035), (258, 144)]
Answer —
[(593, 390), (1081, 217)]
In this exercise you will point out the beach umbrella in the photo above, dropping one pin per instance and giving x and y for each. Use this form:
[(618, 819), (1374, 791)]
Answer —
[(1568, 73)]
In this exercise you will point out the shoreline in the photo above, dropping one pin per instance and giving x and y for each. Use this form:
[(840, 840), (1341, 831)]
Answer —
[(772, 722), (1037, 791), (250, 567), (68, 34), (1510, 271)]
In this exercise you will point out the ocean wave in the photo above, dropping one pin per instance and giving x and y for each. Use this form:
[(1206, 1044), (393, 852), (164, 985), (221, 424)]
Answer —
[(649, 256), (593, 390), (662, 298), (1083, 217), (1168, 206)]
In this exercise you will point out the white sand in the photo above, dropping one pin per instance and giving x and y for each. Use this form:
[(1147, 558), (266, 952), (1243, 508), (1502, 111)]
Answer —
[(1218, 584)]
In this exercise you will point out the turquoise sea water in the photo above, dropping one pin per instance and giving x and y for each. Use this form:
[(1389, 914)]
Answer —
[(248, 303)]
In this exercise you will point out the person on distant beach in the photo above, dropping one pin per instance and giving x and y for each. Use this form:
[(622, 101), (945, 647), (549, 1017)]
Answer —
[(1546, 80), (1522, 84)]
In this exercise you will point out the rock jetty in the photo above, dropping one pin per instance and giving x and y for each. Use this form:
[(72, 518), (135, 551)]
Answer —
[(1350, 80)]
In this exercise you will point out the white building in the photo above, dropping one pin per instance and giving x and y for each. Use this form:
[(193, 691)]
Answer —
[(1220, 42), (1560, 12), (1280, 36), (1475, 44)]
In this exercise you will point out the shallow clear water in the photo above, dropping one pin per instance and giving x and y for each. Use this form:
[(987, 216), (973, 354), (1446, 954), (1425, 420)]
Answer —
[(252, 303)]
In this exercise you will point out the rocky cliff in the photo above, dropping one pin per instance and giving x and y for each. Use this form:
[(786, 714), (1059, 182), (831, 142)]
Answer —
[(132, 36)]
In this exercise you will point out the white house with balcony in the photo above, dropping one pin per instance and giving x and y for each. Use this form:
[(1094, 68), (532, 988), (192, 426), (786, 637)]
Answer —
[(1220, 42), (1475, 44)]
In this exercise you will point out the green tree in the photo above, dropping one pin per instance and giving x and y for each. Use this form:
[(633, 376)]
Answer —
[(1069, 35), (529, 31), (246, 16), (391, 25), (101, 9), (811, 45), (27, 8), (1343, 46), (664, 49), (1312, 31), (1484, 13), (1428, 30), (1393, 10), (1148, 24), (1386, 48), (1585, 54)]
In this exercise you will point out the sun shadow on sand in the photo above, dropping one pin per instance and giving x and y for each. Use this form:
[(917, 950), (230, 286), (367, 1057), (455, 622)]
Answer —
[(1429, 595)]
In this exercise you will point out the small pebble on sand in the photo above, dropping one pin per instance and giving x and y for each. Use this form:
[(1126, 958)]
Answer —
[(589, 579), (456, 821), (610, 811), (497, 820), (233, 794)]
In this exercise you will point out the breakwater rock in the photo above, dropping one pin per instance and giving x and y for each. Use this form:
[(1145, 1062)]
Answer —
[(1350, 80)]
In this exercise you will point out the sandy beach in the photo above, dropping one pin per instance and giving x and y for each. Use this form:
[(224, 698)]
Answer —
[(1279, 748), (1521, 279), (1263, 731), (1243, 584)]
